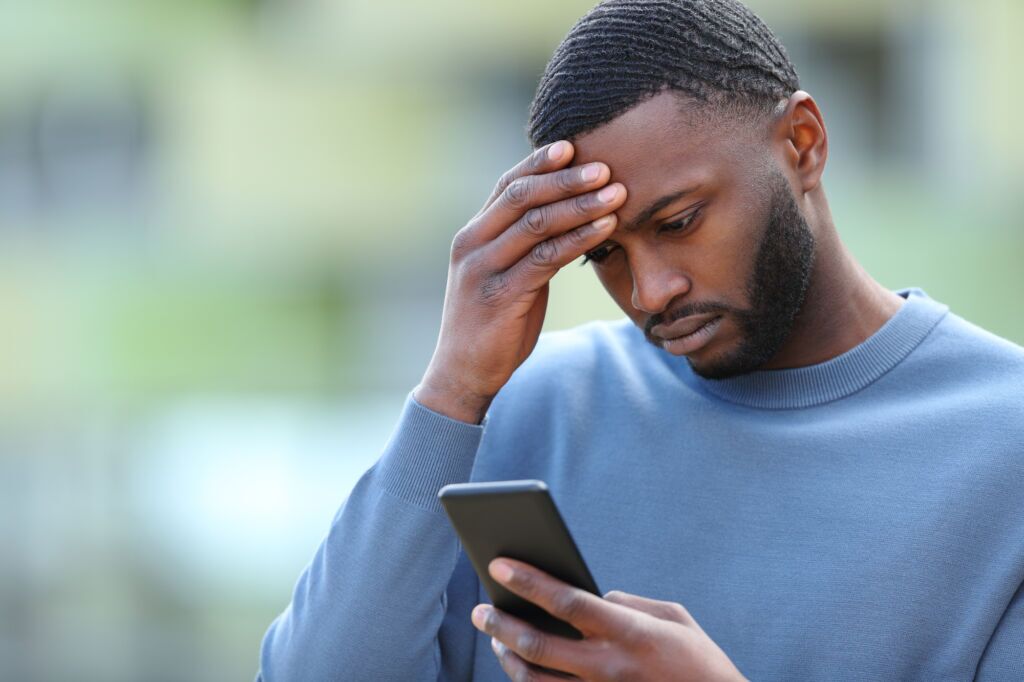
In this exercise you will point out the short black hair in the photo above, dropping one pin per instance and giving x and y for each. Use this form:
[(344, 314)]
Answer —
[(716, 52)]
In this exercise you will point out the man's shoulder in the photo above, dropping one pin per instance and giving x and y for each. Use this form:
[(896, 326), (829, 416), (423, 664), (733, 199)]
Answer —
[(978, 366), (956, 339), (596, 347), (584, 355), (576, 373), (584, 341)]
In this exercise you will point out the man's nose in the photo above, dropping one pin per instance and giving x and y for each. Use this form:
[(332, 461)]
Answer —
[(656, 283)]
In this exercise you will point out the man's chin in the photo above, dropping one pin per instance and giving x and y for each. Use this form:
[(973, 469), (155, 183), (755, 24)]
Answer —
[(716, 371), (723, 364)]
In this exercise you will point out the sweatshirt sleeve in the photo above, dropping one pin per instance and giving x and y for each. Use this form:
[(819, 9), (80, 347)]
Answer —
[(1003, 658), (371, 603)]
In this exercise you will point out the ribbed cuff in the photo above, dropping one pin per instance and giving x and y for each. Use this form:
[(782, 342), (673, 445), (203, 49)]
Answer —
[(426, 452)]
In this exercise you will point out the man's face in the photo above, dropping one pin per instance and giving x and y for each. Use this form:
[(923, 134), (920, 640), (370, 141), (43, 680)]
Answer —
[(718, 271)]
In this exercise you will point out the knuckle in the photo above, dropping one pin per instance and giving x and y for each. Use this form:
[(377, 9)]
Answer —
[(493, 289), (460, 242), (525, 583), (466, 267), (565, 181), (569, 604), (517, 193), (578, 237), (678, 612), (532, 646), (534, 222), (580, 205), (544, 254), (505, 180), (637, 635)]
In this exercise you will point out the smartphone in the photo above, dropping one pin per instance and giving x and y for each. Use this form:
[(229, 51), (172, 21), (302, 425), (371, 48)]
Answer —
[(519, 520)]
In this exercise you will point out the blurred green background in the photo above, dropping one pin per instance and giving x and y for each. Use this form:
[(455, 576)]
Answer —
[(224, 229)]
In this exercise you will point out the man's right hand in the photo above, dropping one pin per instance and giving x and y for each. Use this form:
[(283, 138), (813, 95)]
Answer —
[(540, 217)]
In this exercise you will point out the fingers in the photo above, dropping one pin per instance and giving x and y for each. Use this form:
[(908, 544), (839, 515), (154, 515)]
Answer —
[(552, 217), (587, 612), (545, 259), (525, 641), (536, 190), (519, 670), (544, 160), (528, 204), (664, 610)]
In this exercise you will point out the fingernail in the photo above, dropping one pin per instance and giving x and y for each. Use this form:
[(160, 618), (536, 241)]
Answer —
[(608, 194), (590, 172), (556, 150), (497, 646), (501, 571), (604, 222), (480, 614)]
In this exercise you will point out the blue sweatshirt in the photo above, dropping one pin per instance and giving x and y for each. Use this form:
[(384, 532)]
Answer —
[(859, 519)]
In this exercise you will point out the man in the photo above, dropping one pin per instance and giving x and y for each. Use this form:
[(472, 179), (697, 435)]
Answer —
[(784, 470)]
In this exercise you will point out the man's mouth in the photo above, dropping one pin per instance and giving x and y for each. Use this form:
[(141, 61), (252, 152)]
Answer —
[(684, 326), (688, 334)]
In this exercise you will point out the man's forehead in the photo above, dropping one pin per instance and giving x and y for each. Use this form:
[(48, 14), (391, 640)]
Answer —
[(655, 139)]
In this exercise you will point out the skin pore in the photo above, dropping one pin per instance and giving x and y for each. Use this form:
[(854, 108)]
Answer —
[(744, 232)]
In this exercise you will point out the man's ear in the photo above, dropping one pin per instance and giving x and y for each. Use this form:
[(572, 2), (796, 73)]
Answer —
[(801, 136)]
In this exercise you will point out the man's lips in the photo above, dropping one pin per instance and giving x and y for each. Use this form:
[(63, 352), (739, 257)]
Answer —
[(683, 326)]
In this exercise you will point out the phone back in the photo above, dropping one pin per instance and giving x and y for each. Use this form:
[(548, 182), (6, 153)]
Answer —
[(519, 520)]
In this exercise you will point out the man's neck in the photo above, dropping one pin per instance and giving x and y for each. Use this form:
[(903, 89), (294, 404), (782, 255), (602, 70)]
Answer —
[(842, 308)]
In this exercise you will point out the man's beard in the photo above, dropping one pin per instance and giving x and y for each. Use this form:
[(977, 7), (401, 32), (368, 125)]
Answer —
[(776, 290)]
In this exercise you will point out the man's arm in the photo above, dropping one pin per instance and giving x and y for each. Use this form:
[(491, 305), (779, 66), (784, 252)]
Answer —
[(370, 604), (1003, 658)]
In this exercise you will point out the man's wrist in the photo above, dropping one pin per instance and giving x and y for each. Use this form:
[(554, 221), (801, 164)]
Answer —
[(452, 402)]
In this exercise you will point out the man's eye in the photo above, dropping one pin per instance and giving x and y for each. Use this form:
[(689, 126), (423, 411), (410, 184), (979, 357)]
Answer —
[(598, 254), (603, 251), (680, 225)]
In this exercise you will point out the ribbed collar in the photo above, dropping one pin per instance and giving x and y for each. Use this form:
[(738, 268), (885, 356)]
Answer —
[(841, 376)]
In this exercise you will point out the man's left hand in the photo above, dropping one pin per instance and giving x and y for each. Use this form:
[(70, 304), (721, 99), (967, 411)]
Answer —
[(624, 636)]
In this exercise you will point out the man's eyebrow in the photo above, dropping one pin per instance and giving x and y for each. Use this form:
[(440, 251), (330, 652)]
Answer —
[(653, 208)]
